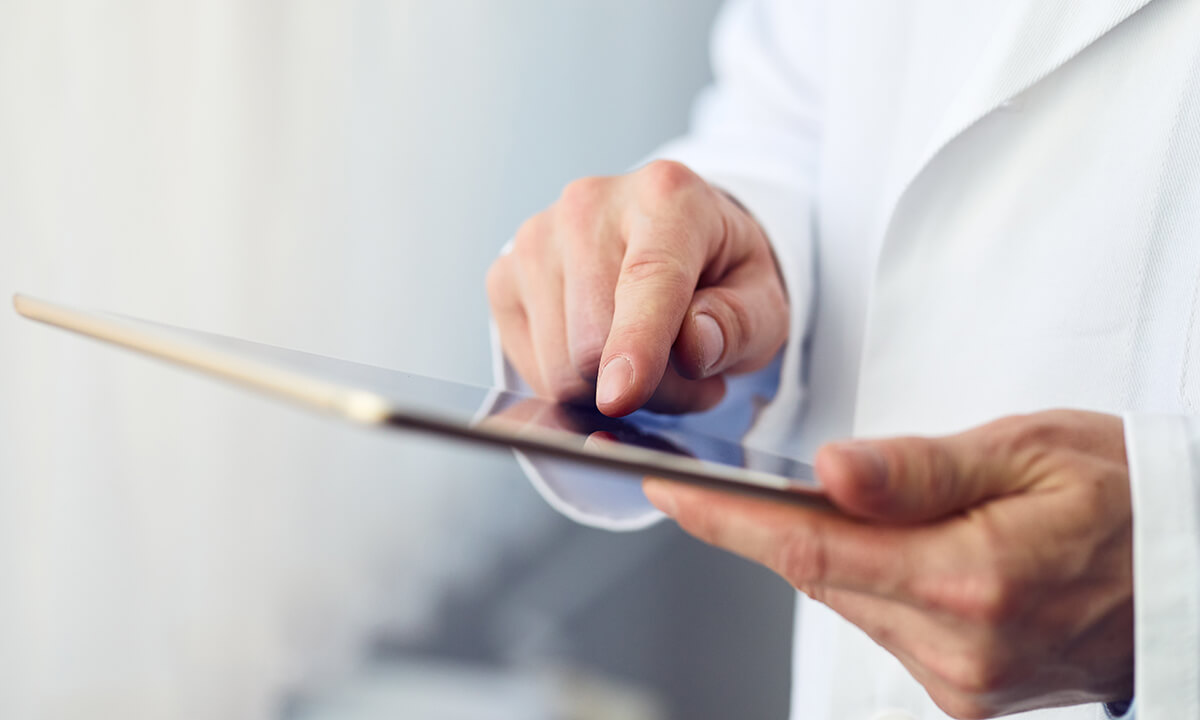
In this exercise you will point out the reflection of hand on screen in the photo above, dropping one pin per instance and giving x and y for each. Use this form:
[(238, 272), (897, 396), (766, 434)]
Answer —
[(593, 428)]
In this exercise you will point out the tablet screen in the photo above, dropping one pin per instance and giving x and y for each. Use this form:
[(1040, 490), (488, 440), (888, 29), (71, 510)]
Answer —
[(642, 443)]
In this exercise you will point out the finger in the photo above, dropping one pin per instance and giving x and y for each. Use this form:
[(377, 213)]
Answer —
[(806, 547), (518, 349), (657, 279), (1099, 434), (511, 322), (676, 395), (530, 412), (911, 480), (539, 277), (737, 326), (949, 663), (919, 479), (1092, 433), (599, 439), (592, 263), (904, 631)]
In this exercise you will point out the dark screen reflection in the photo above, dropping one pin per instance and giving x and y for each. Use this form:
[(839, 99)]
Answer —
[(468, 404)]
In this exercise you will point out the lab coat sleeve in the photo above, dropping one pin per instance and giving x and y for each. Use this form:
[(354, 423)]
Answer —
[(1164, 464), (754, 135)]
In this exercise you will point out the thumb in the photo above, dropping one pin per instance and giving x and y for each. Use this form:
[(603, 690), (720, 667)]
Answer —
[(737, 326), (910, 480)]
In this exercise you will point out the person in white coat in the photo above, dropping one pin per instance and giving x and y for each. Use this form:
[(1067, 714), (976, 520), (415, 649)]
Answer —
[(967, 234)]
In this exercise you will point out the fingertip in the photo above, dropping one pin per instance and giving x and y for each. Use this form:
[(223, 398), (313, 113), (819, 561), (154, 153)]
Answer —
[(599, 440), (700, 349), (827, 464), (832, 471), (707, 346), (615, 381), (660, 494)]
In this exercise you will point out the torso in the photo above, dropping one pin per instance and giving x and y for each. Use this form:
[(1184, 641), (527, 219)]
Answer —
[(1046, 256)]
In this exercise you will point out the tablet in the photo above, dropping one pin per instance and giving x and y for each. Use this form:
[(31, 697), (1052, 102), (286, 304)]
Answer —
[(641, 444)]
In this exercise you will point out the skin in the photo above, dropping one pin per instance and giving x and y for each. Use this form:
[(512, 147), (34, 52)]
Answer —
[(995, 564), (615, 291)]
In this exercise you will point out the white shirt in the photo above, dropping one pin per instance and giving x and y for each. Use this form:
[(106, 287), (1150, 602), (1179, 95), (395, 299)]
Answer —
[(980, 209)]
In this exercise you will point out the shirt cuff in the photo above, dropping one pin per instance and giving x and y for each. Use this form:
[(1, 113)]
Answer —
[(604, 499), (1164, 467), (761, 409), (612, 500)]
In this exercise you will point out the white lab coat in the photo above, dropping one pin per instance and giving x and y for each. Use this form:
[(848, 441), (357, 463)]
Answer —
[(980, 209)]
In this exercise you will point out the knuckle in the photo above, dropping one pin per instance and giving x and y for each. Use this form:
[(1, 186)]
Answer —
[(580, 239), (1020, 435), (664, 179), (653, 266), (977, 676), (993, 602), (583, 197), (933, 463), (985, 599), (961, 707), (972, 678), (936, 469), (531, 237), (802, 559), (700, 523), (921, 464), (994, 594)]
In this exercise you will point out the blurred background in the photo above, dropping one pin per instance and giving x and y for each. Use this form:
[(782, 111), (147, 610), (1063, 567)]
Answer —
[(334, 177)]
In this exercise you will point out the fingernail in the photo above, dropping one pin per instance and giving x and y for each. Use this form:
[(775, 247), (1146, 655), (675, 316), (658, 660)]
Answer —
[(659, 496), (712, 340), (615, 378), (868, 465)]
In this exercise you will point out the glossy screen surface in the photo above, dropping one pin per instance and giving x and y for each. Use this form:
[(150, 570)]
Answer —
[(474, 405), (642, 443)]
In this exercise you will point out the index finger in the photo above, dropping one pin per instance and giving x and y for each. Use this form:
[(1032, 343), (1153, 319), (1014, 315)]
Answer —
[(658, 277), (808, 547)]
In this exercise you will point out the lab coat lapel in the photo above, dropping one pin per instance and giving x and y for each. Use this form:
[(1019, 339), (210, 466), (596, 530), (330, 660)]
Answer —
[(1037, 38)]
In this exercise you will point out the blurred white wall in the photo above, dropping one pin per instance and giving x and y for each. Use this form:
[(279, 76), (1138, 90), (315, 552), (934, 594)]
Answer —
[(331, 176)]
